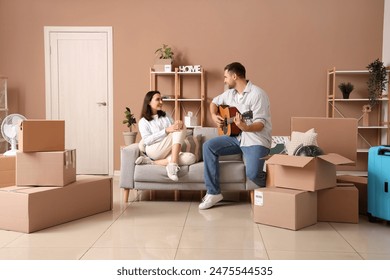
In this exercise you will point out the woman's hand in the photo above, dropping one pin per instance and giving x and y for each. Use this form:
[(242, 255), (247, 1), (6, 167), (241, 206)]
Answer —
[(177, 126)]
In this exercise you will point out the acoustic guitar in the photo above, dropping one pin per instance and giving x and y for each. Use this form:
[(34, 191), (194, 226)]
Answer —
[(229, 128)]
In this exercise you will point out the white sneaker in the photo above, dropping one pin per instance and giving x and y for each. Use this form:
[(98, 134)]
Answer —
[(209, 200), (186, 158), (143, 160), (172, 169)]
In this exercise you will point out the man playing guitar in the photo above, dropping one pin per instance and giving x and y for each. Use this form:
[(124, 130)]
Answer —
[(254, 140)]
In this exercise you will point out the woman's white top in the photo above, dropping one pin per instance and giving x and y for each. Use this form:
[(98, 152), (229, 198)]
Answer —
[(154, 131)]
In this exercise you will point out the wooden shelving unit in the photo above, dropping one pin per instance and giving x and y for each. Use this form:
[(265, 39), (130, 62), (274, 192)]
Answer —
[(178, 96), (3, 110), (377, 132)]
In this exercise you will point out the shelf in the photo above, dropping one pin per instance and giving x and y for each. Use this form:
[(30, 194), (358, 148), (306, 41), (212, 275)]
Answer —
[(355, 99), (193, 126), (183, 99), (349, 71), (162, 73), (332, 71), (353, 173), (173, 73), (373, 127), (189, 99)]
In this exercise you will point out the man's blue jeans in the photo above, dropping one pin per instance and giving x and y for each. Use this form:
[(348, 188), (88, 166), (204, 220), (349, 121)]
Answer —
[(226, 145)]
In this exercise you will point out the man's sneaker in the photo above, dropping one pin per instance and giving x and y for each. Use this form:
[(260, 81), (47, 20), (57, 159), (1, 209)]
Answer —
[(172, 169), (186, 158), (143, 160), (209, 200)]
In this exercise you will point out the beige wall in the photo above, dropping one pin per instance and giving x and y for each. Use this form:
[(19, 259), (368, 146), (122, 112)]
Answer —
[(286, 46)]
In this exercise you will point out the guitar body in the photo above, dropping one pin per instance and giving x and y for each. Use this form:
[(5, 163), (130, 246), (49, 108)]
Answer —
[(229, 128)]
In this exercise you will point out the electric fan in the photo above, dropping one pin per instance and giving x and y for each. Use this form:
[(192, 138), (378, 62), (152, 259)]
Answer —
[(9, 130)]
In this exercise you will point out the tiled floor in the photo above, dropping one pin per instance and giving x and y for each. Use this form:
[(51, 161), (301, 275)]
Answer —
[(171, 230)]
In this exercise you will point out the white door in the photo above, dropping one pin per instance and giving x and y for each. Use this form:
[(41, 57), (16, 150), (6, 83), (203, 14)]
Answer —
[(78, 64)]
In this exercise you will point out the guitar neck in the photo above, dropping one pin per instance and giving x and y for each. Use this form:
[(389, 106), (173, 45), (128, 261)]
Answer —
[(231, 120)]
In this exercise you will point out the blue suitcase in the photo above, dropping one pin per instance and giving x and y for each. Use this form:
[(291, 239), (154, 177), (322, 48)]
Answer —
[(378, 183)]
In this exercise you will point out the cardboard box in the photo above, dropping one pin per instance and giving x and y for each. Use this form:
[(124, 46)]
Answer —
[(328, 129), (338, 204), (361, 184), (30, 209), (46, 168), (41, 136), (306, 173), (7, 171), (285, 208), (270, 181)]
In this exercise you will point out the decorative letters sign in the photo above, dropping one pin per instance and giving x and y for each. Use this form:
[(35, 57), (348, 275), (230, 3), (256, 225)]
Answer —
[(190, 68)]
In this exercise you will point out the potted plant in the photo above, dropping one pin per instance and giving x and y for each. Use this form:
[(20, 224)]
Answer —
[(164, 59), (129, 121), (377, 81), (346, 89)]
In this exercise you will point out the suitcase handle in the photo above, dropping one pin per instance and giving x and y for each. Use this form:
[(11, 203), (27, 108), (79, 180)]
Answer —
[(384, 151)]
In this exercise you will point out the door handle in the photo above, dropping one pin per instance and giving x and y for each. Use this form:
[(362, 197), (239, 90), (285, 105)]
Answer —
[(101, 103)]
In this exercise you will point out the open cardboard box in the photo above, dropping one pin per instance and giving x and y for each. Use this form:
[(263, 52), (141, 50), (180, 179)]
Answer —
[(305, 173), (28, 209)]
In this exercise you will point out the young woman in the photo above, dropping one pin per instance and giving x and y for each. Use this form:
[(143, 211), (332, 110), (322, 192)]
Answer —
[(162, 138)]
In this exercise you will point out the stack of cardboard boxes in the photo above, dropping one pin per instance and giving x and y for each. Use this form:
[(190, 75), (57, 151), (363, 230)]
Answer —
[(42, 189), (303, 190)]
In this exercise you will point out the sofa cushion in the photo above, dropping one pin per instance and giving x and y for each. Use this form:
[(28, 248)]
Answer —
[(155, 173), (299, 139), (230, 172)]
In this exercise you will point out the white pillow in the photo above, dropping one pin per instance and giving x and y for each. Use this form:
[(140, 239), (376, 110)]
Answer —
[(299, 139)]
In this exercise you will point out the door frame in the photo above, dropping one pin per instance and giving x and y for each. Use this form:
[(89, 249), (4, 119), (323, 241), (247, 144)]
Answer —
[(110, 89)]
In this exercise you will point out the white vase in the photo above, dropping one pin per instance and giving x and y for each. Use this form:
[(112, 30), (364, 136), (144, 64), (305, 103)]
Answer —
[(129, 137)]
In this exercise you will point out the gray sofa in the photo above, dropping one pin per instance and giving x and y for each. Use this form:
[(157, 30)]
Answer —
[(154, 177)]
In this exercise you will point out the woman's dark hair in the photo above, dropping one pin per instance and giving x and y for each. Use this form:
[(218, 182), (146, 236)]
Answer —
[(147, 110), (236, 68)]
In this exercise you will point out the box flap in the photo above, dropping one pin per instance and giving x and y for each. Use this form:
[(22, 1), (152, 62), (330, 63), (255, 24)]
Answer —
[(335, 159), (285, 160)]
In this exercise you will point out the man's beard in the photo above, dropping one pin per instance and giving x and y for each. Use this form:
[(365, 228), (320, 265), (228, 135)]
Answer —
[(231, 86)]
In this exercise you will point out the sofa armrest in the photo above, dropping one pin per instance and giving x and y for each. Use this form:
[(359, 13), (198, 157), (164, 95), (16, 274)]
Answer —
[(128, 156)]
